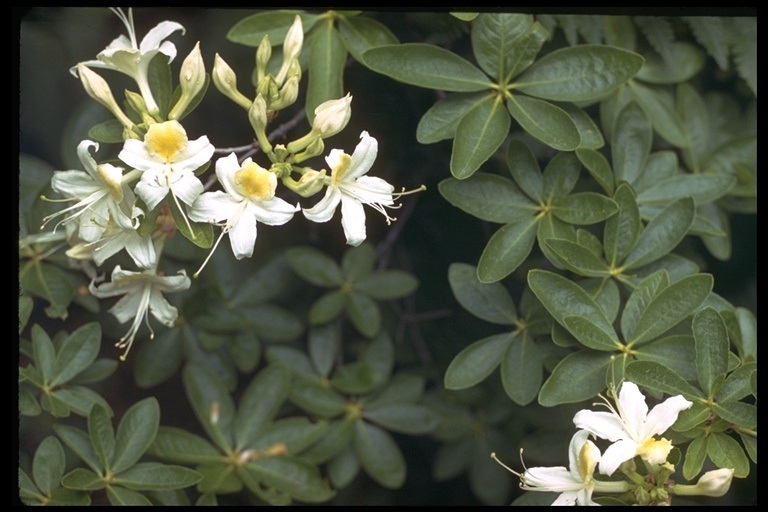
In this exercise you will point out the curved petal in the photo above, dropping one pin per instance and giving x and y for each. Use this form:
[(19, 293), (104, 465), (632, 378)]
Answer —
[(604, 425), (141, 249), (274, 212), (664, 415), (242, 236), (633, 409), (578, 441), (161, 308), (546, 479), (567, 499), (150, 190), (187, 187), (213, 207), (195, 154), (155, 37), (226, 168), (363, 157), (353, 220), (323, 210), (74, 183), (130, 306), (134, 153), (175, 283), (125, 60), (615, 454)]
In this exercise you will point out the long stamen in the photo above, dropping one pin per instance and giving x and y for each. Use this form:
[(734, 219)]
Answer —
[(213, 249), (519, 475), (127, 339)]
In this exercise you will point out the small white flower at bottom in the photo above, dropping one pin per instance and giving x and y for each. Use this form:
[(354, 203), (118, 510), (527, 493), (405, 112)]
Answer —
[(143, 294)]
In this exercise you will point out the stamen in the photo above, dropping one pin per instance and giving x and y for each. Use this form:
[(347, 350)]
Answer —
[(519, 475), (223, 232)]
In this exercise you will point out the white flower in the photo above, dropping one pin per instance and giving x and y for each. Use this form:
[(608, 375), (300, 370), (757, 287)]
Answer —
[(168, 160), (713, 483), (631, 428), (248, 198), (348, 186), (143, 295), (99, 193), (574, 484), (126, 55), (332, 116)]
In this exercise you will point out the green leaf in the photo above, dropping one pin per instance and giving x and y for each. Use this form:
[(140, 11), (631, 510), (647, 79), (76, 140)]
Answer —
[(250, 30), (744, 49), (380, 354), (135, 433), (48, 465), (726, 452), (661, 112), (564, 298), (703, 188), (489, 302), (327, 307), (25, 310), (379, 455), (181, 446), (80, 399), (212, 404), (158, 361), (632, 137), (442, 118), (355, 378), (360, 34), (578, 376), (545, 121), (671, 305), (96, 372), (488, 197), (738, 413), (560, 176), (273, 322), (695, 455), (317, 398), (641, 296), (589, 334), (199, 233), (54, 404), (712, 345), (621, 230), (219, 478), (76, 353), (327, 55), (323, 345), (28, 405), (652, 375), (584, 208), (388, 285), (579, 73), (102, 435), (479, 134), (358, 262), (295, 434), (477, 361), (494, 37), (524, 50), (525, 170), (79, 442), (750, 445), (49, 283), (290, 475), (120, 496), (425, 65), (521, 370), (338, 437), (578, 258), (591, 137), (598, 167), (506, 250), (675, 352), (364, 314), (83, 480), (108, 132), (403, 418), (662, 234), (737, 384), (146, 476), (43, 351), (314, 266)]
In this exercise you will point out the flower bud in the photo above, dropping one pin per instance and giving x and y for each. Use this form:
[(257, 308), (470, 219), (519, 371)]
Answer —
[(191, 80), (263, 54), (225, 81), (332, 116), (257, 115), (291, 49), (288, 94), (98, 89), (311, 183), (712, 483)]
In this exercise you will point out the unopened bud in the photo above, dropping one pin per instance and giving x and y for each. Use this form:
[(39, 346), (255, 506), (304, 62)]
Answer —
[(263, 54), (98, 89), (712, 483), (191, 81), (291, 49), (225, 81), (311, 183), (332, 116), (288, 94)]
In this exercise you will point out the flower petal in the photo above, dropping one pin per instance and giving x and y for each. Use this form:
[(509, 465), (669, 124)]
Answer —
[(193, 155), (187, 187), (134, 153), (664, 415), (617, 453), (352, 220), (155, 37), (242, 235), (633, 409), (604, 425), (151, 188), (213, 207), (363, 157), (226, 168), (324, 209), (161, 308), (274, 212)]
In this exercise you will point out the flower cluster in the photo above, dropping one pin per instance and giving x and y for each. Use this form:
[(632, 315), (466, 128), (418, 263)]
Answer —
[(153, 189), (632, 430)]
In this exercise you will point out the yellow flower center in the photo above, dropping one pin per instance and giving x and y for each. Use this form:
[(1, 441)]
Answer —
[(166, 140), (588, 457), (654, 451), (113, 178), (340, 169), (255, 182)]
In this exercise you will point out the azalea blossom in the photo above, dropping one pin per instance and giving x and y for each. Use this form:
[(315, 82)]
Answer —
[(574, 484), (248, 197), (632, 428), (143, 294), (126, 55), (349, 186), (168, 160), (99, 192)]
